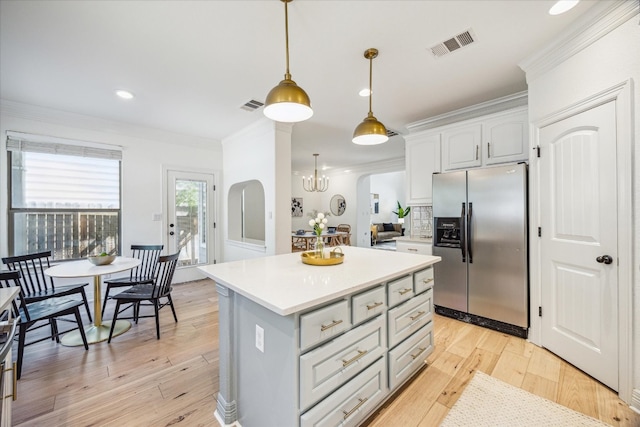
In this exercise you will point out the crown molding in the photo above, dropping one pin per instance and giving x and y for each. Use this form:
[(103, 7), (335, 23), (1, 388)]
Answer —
[(64, 118), (390, 165), (508, 102), (599, 21)]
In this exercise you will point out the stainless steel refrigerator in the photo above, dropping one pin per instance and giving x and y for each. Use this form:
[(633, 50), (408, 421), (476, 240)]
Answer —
[(480, 231)]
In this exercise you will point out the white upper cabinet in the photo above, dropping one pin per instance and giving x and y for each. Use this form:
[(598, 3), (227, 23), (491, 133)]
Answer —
[(462, 146), (422, 160), (506, 138)]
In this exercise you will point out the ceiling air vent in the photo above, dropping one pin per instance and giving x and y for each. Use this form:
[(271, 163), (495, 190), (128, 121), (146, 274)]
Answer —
[(454, 43), (391, 133), (252, 105)]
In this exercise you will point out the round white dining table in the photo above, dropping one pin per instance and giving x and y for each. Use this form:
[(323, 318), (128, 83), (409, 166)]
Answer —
[(99, 330)]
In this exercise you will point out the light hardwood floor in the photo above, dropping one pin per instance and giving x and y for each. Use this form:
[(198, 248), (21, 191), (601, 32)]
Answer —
[(140, 381)]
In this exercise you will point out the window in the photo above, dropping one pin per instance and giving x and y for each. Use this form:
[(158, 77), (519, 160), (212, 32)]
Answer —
[(64, 197)]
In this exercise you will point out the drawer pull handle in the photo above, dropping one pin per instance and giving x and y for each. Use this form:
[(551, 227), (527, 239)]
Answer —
[(412, 249), (419, 314), (414, 357), (404, 291), (348, 414), (425, 281), (330, 325), (346, 363), (374, 305)]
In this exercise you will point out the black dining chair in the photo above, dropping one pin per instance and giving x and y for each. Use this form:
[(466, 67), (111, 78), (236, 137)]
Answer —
[(30, 314), (144, 273), (37, 286), (138, 295)]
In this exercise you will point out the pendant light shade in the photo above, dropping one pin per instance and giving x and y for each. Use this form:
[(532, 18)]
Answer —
[(287, 102), (370, 131), (314, 183)]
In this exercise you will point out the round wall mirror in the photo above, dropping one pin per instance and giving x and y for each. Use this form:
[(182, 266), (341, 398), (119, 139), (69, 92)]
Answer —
[(338, 205)]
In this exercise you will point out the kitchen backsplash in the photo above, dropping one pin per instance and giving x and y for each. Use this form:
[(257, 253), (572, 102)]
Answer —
[(422, 221)]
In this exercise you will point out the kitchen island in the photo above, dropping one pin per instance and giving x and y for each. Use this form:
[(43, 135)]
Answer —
[(304, 345)]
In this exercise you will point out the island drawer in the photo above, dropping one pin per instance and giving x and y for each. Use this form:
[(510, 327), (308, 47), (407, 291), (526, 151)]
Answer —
[(409, 355), (368, 304), (407, 318), (329, 366), (423, 280), (324, 323), (353, 402), (400, 290)]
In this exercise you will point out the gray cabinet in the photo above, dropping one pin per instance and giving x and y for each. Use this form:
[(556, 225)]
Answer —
[(343, 380)]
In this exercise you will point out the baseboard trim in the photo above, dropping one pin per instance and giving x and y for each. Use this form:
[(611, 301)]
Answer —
[(635, 400), (221, 421)]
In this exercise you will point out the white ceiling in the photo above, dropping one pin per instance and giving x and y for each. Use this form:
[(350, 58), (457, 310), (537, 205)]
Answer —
[(193, 64)]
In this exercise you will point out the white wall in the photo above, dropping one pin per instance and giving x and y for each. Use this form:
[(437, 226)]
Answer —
[(261, 152), (144, 153), (611, 60), (391, 189)]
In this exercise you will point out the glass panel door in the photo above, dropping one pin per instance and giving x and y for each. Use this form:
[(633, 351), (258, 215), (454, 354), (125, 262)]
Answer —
[(190, 217)]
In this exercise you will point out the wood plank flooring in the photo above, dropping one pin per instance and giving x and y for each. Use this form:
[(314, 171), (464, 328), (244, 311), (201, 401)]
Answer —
[(140, 381)]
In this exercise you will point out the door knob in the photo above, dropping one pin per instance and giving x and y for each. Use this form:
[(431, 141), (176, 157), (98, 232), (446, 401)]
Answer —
[(604, 258)]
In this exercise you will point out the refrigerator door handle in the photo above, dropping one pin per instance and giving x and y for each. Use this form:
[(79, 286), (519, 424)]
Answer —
[(462, 241), (469, 233)]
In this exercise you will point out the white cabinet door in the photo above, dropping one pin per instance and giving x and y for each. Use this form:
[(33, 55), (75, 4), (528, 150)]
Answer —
[(422, 160), (506, 138), (461, 147)]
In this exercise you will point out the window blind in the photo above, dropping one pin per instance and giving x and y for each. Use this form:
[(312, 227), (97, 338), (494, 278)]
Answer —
[(50, 145)]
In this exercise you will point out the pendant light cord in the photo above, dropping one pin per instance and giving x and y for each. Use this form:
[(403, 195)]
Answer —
[(287, 74)]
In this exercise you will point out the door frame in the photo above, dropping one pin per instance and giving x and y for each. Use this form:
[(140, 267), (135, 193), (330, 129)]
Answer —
[(213, 253), (621, 94)]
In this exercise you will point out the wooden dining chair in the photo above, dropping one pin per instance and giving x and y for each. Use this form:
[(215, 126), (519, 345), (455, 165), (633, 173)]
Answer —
[(154, 293), (345, 228), (144, 273), (37, 286), (32, 315)]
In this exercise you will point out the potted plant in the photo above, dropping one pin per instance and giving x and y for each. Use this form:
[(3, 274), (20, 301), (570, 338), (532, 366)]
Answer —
[(402, 213)]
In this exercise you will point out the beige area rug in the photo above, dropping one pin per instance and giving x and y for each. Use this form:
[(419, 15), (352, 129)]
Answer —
[(487, 401)]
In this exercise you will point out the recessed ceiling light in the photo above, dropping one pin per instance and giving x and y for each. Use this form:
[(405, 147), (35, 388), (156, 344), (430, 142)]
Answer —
[(562, 6), (124, 94), (365, 92)]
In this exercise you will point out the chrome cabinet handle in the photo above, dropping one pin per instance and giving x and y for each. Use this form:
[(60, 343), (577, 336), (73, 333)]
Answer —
[(374, 305), (346, 363), (404, 291), (425, 281), (330, 325), (477, 151), (415, 356), (412, 249), (348, 414), (488, 150), (418, 315)]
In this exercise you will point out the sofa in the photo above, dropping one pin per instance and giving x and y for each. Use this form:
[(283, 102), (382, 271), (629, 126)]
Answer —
[(385, 231)]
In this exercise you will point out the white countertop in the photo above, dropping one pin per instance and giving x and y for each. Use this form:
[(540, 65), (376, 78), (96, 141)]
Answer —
[(284, 285), (415, 239)]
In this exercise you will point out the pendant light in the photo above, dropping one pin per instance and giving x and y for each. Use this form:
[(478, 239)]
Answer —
[(370, 131), (314, 183), (287, 102)]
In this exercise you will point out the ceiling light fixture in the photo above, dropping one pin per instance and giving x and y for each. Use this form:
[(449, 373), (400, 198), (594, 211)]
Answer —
[(370, 131), (124, 94), (562, 6), (287, 102), (314, 183)]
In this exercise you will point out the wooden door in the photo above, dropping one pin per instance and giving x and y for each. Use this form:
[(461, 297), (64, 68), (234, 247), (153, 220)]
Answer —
[(578, 202)]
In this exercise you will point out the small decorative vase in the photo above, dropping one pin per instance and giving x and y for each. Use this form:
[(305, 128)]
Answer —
[(318, 247)]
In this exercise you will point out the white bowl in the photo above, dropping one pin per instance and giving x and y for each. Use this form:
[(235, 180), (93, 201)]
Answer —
[(101, 260)]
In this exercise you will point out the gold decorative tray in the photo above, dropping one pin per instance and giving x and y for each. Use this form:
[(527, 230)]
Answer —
[(330, 258)]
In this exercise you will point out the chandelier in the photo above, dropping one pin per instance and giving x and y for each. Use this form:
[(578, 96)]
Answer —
[(314, 183)]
